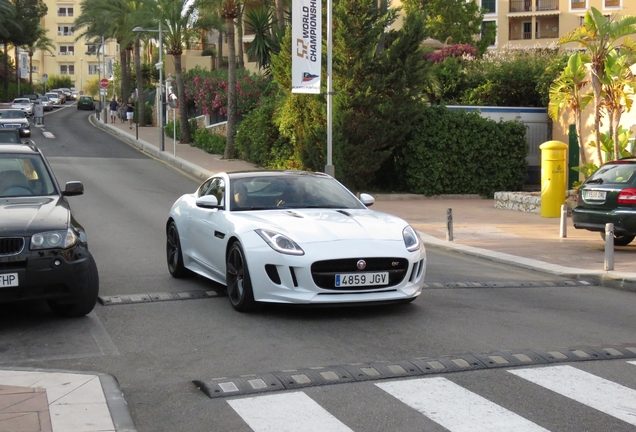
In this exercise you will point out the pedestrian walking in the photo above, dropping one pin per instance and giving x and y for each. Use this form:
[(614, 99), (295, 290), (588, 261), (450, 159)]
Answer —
[(130, 112), (113, 110)]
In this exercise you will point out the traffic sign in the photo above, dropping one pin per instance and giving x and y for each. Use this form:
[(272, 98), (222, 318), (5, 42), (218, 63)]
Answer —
[(103, 83), (102, 92), (45, 78)]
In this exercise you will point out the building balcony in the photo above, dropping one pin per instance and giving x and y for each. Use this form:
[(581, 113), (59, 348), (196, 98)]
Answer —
[(612, 3), (539, 5)]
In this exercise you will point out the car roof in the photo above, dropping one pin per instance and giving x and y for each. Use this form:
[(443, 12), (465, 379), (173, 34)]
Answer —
[(22, 148)]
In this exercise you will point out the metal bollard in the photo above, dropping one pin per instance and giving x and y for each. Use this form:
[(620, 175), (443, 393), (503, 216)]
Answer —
[(449, 224), (609, 246), (563, 231)]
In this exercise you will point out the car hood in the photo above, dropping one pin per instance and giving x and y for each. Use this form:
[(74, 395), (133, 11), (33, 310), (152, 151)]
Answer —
[(309, 226), (25, 215)]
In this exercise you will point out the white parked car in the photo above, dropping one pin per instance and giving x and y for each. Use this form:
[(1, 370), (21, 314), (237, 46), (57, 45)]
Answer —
[(23, 104), (55, 99), (293, 237)]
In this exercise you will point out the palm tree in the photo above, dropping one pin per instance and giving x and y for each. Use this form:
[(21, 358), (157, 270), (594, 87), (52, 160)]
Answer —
[(43, 43), (598, 35), (261, 22), (180, 20), (566, 93), (618, 83), (229, 14)]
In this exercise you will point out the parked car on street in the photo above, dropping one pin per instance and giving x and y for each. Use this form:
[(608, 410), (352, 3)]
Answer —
[(609, 196), (61, 94), (75, 93), (31, 96), (86, 103), (23, 104), (293, 237), (43, 249), (47, 105), (55, 99), (15, 119)]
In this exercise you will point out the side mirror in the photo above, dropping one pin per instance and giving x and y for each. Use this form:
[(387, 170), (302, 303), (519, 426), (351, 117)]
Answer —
[(208, 201), (367, 199), (73, 188)]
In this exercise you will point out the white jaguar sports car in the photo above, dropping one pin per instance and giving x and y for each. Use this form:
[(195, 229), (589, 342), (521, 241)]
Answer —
[(293, 237)]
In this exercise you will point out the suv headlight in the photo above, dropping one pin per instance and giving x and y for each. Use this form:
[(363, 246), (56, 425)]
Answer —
[(411, 239), (62, 239), (280, 243)]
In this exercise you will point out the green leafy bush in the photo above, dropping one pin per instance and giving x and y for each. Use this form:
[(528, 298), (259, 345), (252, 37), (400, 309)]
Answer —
[(457, 152), (209, 142)]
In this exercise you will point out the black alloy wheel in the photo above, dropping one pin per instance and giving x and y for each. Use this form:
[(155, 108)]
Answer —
[(174, 256), (237, 279)]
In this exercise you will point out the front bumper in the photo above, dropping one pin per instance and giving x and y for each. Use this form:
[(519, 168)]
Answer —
[(49, 274), (623, 218)]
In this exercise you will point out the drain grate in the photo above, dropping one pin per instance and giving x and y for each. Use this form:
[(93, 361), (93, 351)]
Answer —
[(155, 297), (320, 376)]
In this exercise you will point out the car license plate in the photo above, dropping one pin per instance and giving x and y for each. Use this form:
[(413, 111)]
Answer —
[(594, 195), (8, 280), (362, 279)]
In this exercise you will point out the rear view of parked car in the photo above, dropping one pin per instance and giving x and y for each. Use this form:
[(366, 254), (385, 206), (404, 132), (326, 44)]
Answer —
[(609, 196), (85, 103)]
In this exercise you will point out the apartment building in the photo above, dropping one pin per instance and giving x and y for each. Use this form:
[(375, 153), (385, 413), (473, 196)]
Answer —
[(80, 61), (543, 22)]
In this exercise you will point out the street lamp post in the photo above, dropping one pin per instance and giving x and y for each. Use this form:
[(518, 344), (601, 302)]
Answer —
[(159, 66), (81, 88), (104, 109)]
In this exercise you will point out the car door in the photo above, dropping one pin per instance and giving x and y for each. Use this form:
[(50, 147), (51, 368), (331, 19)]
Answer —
[(208, 229)]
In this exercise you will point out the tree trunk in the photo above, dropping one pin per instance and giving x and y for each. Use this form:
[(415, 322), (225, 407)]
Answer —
[(184, 127), (231, 91), (239, 28), (616, 126), (30, 68), (280, 17), (141, 118), (596, 87), (577, 122), (125, 76), (219, 52)]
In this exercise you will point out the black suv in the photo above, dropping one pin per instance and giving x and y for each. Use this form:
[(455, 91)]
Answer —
[(43, 249)]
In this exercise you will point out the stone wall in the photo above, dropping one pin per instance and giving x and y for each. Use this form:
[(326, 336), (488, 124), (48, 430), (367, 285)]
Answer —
[(529, 202)]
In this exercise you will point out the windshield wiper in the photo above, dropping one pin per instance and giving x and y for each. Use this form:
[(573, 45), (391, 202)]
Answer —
[(598, 180)]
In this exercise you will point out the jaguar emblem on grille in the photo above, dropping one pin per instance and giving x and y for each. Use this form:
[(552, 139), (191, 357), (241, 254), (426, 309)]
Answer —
[(394, 263), (361, 264)]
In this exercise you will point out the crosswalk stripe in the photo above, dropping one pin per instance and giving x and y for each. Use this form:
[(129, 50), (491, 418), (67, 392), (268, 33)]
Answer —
[(632, 362), (601, 394), (293, 412), (455, 408)]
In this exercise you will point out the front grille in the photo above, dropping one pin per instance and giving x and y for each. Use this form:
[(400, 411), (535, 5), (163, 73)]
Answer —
[(11, 245), (12, 125), (324, 272)]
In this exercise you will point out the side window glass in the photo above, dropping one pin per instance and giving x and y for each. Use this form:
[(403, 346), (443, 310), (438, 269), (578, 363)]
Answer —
[(217, 188), (204, 188)]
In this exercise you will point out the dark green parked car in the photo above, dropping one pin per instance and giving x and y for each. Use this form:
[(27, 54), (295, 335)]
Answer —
[(86, 102), (609, 196)]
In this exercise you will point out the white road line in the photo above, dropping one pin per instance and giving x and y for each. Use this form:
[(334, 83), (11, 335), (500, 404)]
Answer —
[(289, 412), (632, 362), (601, 394), (455, 408), (48, 134)]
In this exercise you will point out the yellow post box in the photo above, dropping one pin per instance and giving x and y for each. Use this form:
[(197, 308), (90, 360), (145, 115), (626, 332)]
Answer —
[(553, 177)]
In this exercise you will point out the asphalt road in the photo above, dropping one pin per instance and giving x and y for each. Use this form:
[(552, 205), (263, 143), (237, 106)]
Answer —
[(157, 350)]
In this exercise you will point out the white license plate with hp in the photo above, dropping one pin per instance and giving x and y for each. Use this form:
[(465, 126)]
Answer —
[(8, 280), (362, 279), (594, 195)]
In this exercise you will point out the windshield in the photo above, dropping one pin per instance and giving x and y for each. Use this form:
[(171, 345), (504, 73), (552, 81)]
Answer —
[(22, 101), (290, 192), (11, 114), (24, 175)]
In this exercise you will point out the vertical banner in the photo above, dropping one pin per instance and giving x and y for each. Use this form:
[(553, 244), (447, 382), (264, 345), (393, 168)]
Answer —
[(306, 45), (109, 68), (24, 65)]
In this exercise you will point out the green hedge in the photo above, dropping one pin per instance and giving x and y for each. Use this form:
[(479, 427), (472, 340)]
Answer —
[(456, 152)]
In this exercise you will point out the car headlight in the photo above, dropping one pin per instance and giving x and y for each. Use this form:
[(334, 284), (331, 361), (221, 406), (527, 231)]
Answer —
[(62, 239), (411, 239), (280, 243)]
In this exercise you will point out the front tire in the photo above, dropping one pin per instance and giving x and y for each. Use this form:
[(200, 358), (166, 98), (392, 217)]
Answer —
[(237, 279), (174, 255), (620, 240), (87, 300)]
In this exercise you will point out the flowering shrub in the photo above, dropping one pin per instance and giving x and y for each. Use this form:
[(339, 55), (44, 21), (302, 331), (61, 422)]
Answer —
[(208, 90), (459, 50)]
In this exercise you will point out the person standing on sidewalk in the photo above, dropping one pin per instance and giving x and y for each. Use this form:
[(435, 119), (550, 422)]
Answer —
[(130, 112), (113, 110)]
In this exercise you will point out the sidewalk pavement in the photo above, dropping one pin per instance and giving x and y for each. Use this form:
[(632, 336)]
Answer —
[(61, 401)]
